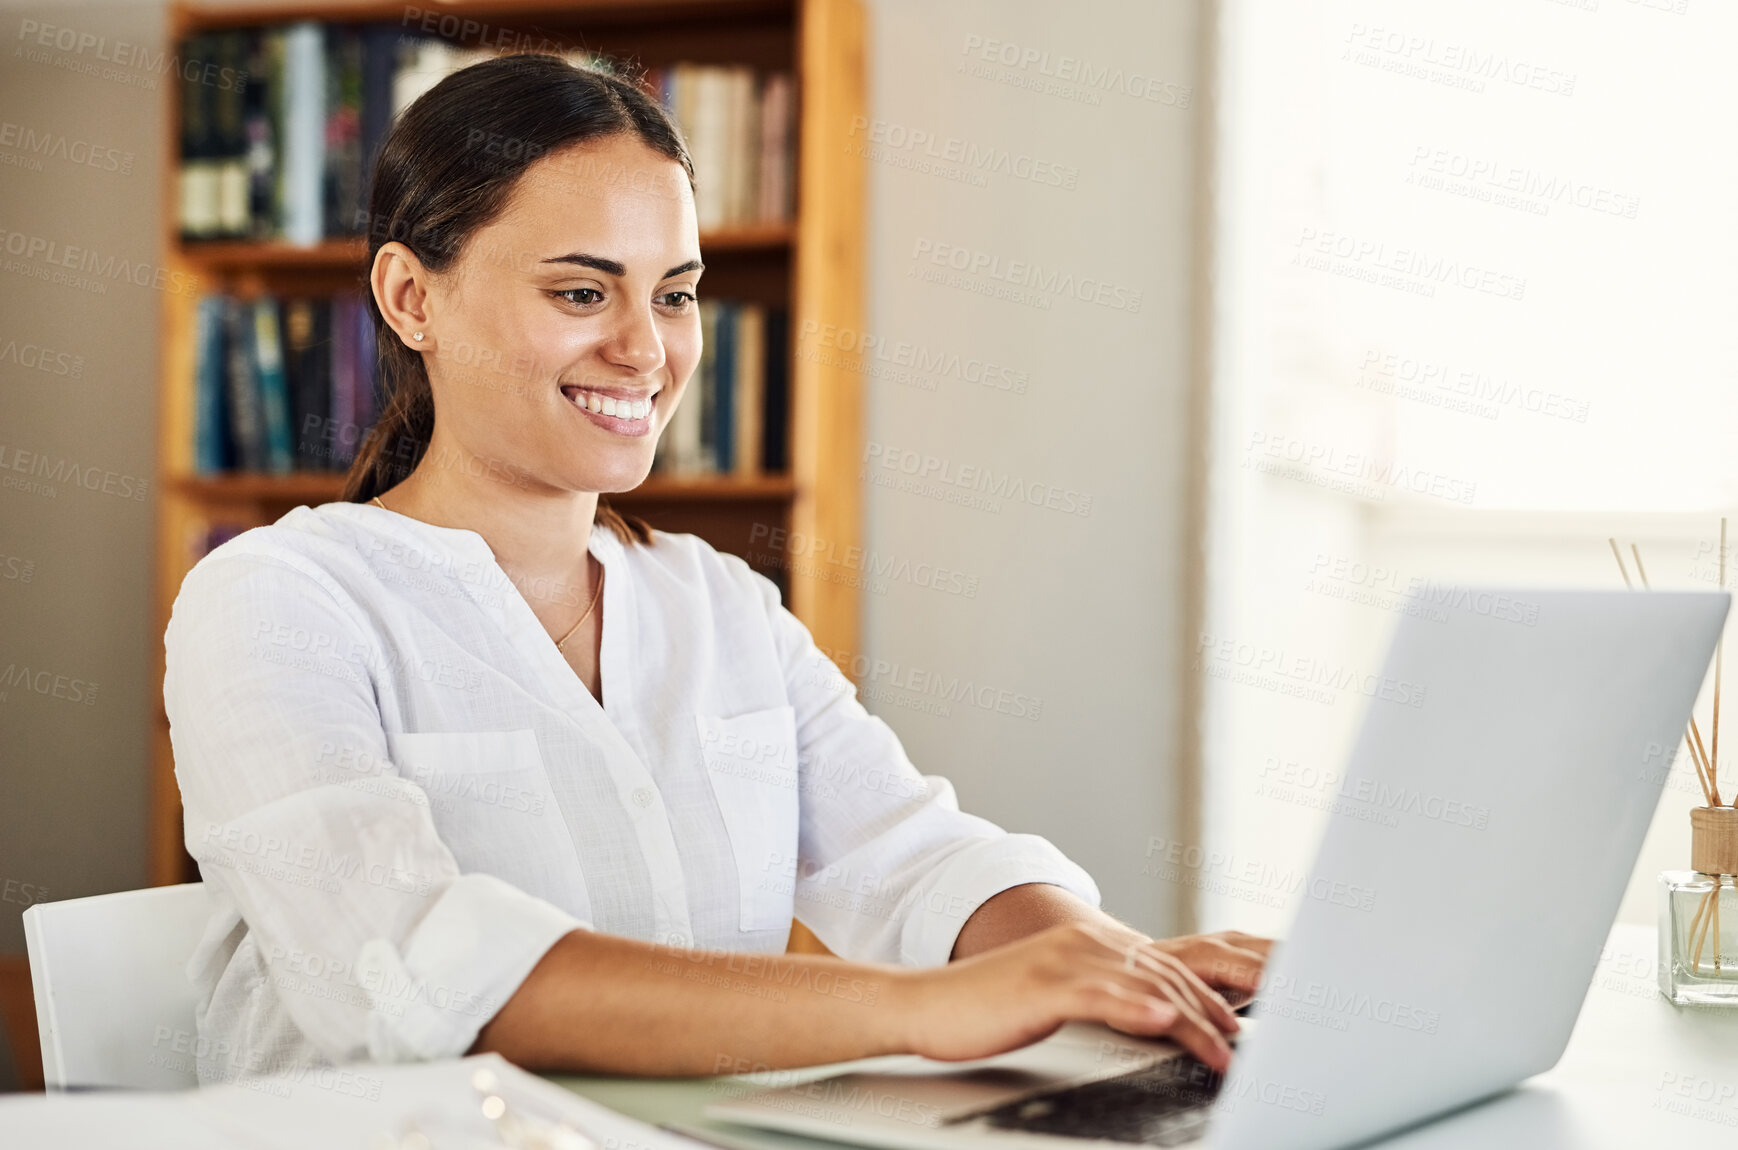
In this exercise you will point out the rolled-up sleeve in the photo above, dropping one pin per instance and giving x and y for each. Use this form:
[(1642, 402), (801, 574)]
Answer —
[(377, 945), (889, 868)]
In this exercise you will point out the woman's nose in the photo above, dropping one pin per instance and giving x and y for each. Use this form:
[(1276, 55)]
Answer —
[(635, 342)]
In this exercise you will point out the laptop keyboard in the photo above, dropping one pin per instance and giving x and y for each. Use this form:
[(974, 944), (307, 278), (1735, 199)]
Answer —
[(1162, 1105)]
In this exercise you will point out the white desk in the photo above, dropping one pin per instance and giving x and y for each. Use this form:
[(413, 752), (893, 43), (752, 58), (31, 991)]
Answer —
[(1639, 1073)]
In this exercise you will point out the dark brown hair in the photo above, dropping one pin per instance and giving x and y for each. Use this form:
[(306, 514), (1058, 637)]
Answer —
[(448, 168)]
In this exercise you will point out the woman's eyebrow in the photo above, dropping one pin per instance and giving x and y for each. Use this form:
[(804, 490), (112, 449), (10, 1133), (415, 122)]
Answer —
[(614, 267)]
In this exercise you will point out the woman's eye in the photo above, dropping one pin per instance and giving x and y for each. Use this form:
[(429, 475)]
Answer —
[(677, 300), (568, 294)]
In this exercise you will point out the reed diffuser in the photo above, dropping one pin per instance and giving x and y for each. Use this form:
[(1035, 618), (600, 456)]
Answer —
[(1698, 932)]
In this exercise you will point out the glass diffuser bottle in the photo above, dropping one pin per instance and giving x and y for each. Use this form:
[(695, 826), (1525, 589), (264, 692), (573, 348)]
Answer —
[(1699, 915), (1698, 933)]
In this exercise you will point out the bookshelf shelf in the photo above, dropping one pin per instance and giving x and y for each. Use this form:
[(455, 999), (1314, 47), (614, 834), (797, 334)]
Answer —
[(552, 16), (810, 268), (750, 238), (237, 255), (315, 486), (226, 256)]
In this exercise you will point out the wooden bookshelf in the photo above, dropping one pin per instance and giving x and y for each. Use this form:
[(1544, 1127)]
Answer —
[(813, 266)]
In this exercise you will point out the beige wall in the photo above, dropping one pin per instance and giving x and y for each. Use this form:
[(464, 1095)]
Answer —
[(1081, 613), (72, 818)]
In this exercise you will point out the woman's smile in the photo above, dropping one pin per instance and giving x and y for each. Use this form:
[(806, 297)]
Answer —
[(619, 410)]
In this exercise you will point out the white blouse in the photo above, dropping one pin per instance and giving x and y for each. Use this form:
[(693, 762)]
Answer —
[(400, 795)]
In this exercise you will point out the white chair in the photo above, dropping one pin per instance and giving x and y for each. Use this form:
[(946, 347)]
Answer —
[(114, 1007)]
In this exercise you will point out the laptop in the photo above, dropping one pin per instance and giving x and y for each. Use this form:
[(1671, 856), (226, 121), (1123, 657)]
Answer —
[(1436, 957)]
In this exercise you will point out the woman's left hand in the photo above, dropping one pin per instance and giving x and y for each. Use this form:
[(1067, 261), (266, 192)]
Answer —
[(1227, 960)]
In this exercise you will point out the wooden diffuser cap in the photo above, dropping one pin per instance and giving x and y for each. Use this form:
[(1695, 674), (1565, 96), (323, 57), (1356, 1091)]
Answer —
[(1714, 840)]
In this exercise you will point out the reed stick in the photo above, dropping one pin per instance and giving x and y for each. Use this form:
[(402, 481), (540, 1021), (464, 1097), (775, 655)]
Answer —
[(1710, 788), (1696, 932), (1622, 570), (1704, 917), (1719, 644), (1697, 762), (1717, 924), (1714, 753), (1707, 919), (1696, 734), (1695, 758)]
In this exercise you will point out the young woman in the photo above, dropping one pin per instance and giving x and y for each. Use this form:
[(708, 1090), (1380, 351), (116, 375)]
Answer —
[(471, 762)]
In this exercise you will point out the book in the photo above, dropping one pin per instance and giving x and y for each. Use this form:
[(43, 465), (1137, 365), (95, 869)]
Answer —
[(774, 198), (301, 178), (380, 62), (683, 434), (703, 96), (741, 145), (210, 404), (347, 432), (307, 332), (704, 459), (196, 182), (246, 419), (775, 449), (262, 119), (724, 366), (425, 63), (750, 389), (229, 133), (341, 175), (370, 398), (268, 370)]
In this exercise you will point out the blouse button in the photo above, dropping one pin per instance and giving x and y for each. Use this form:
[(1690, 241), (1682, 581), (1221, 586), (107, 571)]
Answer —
[(642, 797)]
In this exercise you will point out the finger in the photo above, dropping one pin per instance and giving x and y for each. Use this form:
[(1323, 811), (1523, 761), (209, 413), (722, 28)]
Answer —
[(1211, 1002), (1218, 961), (1229, 966), (1151, 1014), (1132, 1012), (1196, 1021), (1261, 946), (1201, 998), (1149, 977), (1199, 1037), (1207, 1002)]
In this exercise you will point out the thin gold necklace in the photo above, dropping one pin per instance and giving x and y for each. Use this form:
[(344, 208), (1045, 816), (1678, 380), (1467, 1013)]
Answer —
[(595, 595)]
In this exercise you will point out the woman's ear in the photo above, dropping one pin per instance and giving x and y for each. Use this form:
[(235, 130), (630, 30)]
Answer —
[(401, 291)]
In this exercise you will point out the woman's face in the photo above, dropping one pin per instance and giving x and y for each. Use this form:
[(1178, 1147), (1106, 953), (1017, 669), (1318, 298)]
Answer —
[(564, 334)]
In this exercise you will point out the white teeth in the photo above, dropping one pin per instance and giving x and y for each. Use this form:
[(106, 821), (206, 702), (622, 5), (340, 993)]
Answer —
[(609, 405)]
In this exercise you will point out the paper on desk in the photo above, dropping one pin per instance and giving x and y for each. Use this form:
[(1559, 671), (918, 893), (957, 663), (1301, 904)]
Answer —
[(365, 1106)]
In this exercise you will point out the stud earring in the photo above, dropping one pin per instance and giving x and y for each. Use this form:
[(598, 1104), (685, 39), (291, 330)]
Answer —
[(417, 337)]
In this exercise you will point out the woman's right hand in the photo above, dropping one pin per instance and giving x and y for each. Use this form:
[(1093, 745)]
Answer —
[(1005, 998)]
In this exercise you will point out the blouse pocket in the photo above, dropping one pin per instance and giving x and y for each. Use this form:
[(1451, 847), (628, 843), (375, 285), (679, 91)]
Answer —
[(489, 796), (751, 761)]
